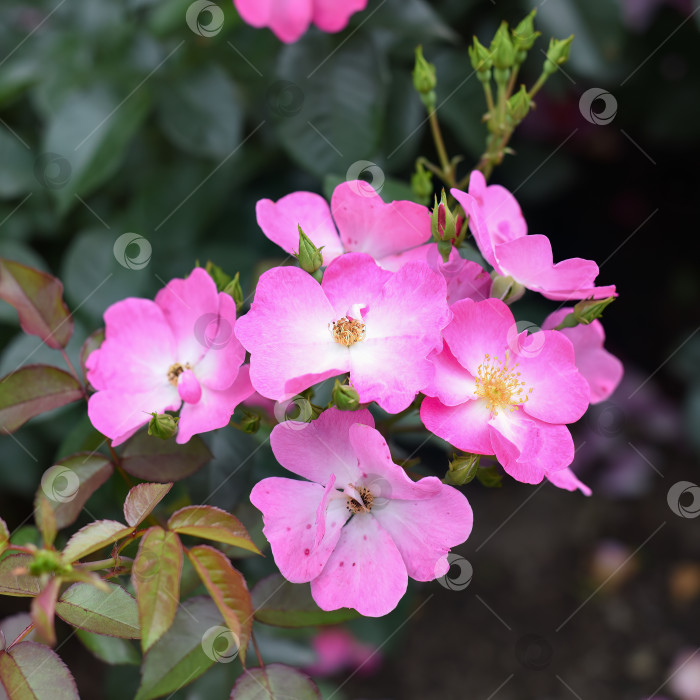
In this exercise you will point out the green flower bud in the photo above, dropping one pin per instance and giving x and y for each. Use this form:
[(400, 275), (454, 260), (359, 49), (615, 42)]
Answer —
[(424, 79), (234, 290), (47, 561), (524, 35), (422, 184), (345, 397), (518, 106), (250, 423), (481, 59), (557, 53), (309, 256), (462, 469), (443, 222), (585, 312), (162, 425), (506, 289), (502, 49), (218, 275)]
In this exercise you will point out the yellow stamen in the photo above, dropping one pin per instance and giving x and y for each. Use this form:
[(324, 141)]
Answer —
[(347, 331), (367, 500), (174, 371), (499, 385)]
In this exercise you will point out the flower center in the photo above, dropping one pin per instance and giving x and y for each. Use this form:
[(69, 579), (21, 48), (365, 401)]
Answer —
[(347, 331), (355, 506), (174, 371), (499, 384)]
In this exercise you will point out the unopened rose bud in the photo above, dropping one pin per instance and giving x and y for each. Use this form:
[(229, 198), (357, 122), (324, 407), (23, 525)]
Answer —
[(557, 53), (462, 469), (502, 49), (309, 256), (345, 397), (234, 290), (524, 35), (481, 60), (424, 79), (422, 184), (519, 105), (250, 423), (443, 222), (218, 275), (162, 425), (506, 289)]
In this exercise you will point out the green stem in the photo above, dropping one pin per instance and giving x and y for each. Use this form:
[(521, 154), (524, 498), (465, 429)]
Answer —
[(447, 174), (111, 563), (536, 87)]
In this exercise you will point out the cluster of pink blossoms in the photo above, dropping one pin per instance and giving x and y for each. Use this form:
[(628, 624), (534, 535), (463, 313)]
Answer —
[(399, 322)]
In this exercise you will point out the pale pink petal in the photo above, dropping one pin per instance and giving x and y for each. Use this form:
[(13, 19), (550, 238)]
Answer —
[(396, 262), (190, 305), (328, 492), (138, 350), (332, 16), (189, 389), (368, 225), (365, 571), (566, 479), (502, 214), (353, 279), (118, 415), (322, 447), (214, 409), (425, 530), (466, 426), (466, 280), (280, 222), (450, 383), (286, 331), (224, 353), (478, 329), (559, 392), (289, 511), (477, 225)]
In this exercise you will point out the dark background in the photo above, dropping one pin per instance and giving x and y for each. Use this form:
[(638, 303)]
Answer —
[(166, 112)]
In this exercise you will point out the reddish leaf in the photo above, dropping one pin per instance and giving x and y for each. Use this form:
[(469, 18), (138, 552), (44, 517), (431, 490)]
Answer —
[(211, 523), (68, 484), (228, 590), (33, 390), (93, 537), (17, 585), (4, 536), (156, 577), (92, 342), (151, 459), (38, 299), (275, 682), (44, 611), (141, 501), (31, 671)]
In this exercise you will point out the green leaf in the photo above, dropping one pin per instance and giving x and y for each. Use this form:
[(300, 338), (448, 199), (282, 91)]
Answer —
[(45, 518), (179, 657), (156, 577), (33, 390), (93, 537), (44, 609), (90, 131), (31, 671), (338, 100), (70, 482), (11, 584), (38, 299), (4, 536), (201, 112), (141, 500), (113, 612), (211, 523), (16, 166), (228, 590), (283, 604), (111, 650), (275, 682), (151, 459)]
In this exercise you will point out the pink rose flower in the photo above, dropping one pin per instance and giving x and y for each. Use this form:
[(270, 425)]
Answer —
[(359, 527), (178, 350), (380, 326), (500, 232), (357, 220), (289, 19), (500, 392), (338, 650), (601, 369)]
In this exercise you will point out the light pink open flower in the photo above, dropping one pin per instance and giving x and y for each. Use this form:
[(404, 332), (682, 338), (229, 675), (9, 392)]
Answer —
[(601, 369), (359, 527), (500, 232), (380, 326), (289, 19), (357, 220), (498, 391), (179, 350)]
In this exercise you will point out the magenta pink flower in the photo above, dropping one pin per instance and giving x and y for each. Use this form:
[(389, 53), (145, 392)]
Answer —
[(365, 223), (178, 350), (500, 232), (337, 649), (380, 326), (601, 369), (289, 19), (359, 527), (566, 479), (499, 391)]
